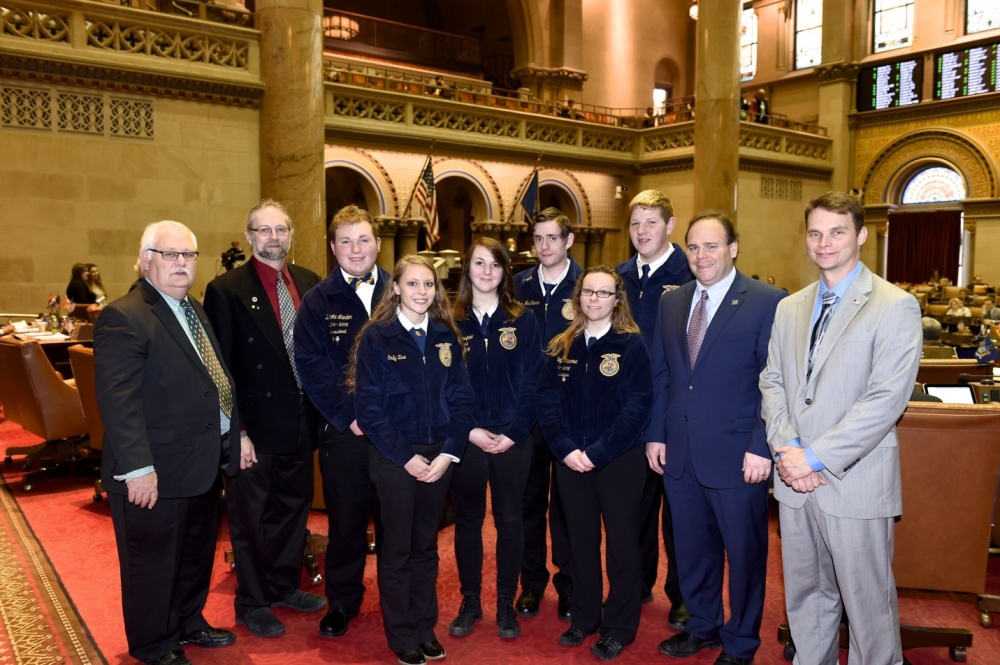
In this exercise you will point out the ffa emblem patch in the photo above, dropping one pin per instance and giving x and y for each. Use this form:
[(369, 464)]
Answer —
[(670, 287), (444, 353), (609, 364), (508, 339), (567, 310)]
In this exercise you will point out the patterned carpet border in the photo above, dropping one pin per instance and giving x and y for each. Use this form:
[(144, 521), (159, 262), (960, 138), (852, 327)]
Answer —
[(41, 626)]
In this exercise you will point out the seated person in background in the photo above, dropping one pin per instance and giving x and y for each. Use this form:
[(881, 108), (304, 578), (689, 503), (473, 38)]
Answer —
[(957, 308), (990, 310), (932, 331), (965, 297), (95, 284), (976, 281), (650, 119), (77, 290)]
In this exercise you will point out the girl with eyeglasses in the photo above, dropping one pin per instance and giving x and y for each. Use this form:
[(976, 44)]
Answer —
[(594, 395), (414, 402), (504, 358)]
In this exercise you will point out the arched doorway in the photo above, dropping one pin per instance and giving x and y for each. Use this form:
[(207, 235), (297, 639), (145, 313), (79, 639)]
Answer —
[(460, 203), (555, 196)]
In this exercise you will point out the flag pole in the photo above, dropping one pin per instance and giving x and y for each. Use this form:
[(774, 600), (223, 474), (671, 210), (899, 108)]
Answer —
[(413, 191), (524, 188)]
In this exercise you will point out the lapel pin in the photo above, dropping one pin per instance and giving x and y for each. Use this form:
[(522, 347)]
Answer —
[(856, 302), (736, 302), (254, 299)]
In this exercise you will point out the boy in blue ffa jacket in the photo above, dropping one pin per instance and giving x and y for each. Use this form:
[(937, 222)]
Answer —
[(594, 397), (504, 357), (658, 267), (414, 401), (330, 318), (548, 292)]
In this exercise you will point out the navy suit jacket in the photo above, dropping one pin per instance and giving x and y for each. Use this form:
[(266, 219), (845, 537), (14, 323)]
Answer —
[(712, 412)]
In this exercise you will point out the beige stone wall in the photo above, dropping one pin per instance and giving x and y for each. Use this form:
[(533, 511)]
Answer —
[(69, 199)]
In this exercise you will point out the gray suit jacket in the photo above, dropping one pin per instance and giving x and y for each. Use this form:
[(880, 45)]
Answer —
[(847, 413)]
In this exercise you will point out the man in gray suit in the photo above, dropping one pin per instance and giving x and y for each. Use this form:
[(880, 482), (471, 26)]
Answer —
[(842, 360)]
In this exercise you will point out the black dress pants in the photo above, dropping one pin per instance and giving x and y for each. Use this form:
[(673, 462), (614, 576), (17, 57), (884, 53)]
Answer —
[(408, 557), (351, 501), (534, 572), (165, 555), (268, 506), (649, 538), (507, 473), (613, 493)]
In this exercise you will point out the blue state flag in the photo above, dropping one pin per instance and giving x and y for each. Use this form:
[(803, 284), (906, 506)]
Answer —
[(986, 353), (529, 202)]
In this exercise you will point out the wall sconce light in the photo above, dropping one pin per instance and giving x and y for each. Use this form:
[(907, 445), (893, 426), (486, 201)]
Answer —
[(693, 10), (340, 27)]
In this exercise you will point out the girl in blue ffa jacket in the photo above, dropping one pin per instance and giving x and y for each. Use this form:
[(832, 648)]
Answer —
[(594, 395), (504, 358), (414, 402)]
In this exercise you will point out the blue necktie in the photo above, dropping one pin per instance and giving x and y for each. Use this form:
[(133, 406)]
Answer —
[(590, 341), (829, 302), (421, 339), (549, 288), (485, 326), (644, 278)]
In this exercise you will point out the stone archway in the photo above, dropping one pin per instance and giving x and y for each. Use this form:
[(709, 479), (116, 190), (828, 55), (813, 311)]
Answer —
[(380, 192), (889, 172)]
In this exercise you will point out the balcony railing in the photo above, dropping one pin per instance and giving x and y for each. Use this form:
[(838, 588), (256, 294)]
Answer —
[(366, 35)]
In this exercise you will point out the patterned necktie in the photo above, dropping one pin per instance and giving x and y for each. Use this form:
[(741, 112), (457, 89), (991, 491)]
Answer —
[(549, 288), (418, 336), (697, 327), (356, 282), (210, 360), (287, 309), (829, 302), (485, 327), (644, 278)]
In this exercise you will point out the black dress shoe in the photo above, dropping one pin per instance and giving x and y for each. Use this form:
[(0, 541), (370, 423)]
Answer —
[(565, 607), (678, 617), (573, 637), (607, 648), (261, 622), (301, 601), (413, 657), (686, 644), (527, 603), (432, 650), (175, 657), (334, 624), (210, 638), (729, 659)]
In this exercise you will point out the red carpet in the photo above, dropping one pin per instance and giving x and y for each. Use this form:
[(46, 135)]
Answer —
[(78, 538)]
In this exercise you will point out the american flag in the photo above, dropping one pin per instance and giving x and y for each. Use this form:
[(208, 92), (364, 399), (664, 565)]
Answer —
[(426, 197)]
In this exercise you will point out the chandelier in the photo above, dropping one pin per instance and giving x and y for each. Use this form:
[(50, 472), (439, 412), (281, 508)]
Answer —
[(340, 27)]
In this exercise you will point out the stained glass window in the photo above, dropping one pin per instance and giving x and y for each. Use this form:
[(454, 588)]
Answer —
[(938, 183), (808, 33), (748, 44), (981, 15), (893, 24)]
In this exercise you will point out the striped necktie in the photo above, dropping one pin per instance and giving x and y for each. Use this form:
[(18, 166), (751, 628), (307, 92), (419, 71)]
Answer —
[(210, 360), (485, 327), (829, 303), (287, 308), (697, 327), (356, 282)]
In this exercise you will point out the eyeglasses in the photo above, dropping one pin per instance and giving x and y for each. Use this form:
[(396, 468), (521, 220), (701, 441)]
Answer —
[(170, 257), (586, 293), (281, 231)]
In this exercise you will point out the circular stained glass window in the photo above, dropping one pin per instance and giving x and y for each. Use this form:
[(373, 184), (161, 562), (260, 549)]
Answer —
[(937, 183)]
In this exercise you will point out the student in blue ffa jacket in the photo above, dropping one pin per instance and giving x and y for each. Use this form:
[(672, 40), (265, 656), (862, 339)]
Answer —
[(548, 292), (658, 267), (414, 401), (594, 396), (504, 358), (330, 318)]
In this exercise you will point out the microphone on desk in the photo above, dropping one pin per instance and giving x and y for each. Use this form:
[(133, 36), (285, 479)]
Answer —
[(964, 379)]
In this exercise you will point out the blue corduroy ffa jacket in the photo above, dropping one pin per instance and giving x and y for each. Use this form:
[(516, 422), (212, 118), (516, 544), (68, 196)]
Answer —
[(597, 400), (645, 303), (552, 318), (403, 398), (504, 372)]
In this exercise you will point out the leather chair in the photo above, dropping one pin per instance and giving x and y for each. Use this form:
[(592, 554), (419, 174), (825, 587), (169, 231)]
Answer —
[(951, 291), (50, 408), (936, 310), (949, 462), (82, 360)]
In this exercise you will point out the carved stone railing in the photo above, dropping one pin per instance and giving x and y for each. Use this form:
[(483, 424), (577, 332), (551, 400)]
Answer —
[(94, 28), (785, 142)]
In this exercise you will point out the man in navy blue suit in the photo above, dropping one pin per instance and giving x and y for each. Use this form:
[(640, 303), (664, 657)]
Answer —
[(708, 351)]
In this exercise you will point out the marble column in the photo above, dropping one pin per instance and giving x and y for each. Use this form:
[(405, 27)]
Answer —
[(291, 121), (387, 228), (717, 109), (838, 77), (408, 231), (876, 221), (595, 247)]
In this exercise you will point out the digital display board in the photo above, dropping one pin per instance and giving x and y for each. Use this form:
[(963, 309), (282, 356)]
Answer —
[(971, 71), (890, 84)]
